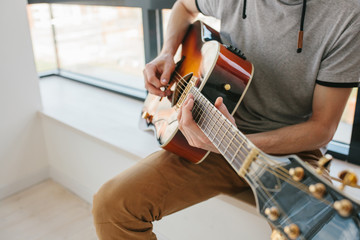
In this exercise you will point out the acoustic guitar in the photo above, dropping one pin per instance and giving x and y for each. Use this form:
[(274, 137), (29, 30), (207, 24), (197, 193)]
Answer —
[(294, 198), (219, 70)]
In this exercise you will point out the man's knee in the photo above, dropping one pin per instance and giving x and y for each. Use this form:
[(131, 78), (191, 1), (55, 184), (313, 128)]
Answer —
[(121, 201), (104, 203)]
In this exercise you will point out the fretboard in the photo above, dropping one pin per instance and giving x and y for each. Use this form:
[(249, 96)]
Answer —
[(230, 142)]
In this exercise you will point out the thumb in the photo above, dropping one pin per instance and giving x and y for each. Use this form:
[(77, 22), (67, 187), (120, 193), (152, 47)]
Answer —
[(165, 76), (219, 104)]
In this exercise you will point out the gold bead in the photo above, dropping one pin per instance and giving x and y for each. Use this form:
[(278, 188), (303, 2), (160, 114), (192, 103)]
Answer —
[(272, 213), (297, 173), (318, 190), (277, 235), (292, 231), (343, 207), (227, 87)]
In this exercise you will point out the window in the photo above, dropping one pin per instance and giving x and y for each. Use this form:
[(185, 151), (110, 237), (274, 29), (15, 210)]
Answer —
[(102, 42), (42, 36), (343, 133)]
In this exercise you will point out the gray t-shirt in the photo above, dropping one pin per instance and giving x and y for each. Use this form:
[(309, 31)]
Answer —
[(281, 92)]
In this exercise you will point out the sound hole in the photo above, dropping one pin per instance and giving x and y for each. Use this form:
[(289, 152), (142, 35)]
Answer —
[(180, 84)]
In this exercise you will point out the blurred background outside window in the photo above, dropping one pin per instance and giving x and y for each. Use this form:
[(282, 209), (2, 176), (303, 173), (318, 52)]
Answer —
[(97, 41)]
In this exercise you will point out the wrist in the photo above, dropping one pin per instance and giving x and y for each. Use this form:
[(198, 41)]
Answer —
[(168, 51)]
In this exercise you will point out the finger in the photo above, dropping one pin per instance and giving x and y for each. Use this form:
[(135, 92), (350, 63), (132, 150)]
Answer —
[(186, 116), (179, 115), (150, 72), (154, 90), (219, 104), (165, 76)]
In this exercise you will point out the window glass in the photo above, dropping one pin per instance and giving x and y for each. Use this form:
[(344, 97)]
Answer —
[(212, 22), (101, 42), (343, 133), (42, 37)]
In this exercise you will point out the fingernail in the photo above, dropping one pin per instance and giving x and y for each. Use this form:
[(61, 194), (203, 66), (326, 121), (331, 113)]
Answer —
[(163, 81)]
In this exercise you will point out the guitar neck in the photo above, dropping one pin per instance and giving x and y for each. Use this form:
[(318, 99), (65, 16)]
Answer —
[(230, 142)]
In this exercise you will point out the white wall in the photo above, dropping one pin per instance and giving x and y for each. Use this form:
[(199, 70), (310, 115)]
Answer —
[(23, 159), (80, 162)]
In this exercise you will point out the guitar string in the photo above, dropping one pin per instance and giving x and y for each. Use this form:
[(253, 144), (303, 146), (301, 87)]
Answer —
[(283, 173)]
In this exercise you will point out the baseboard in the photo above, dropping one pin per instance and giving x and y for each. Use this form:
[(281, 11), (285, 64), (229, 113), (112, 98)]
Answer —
[(71, 184), (24, 183)]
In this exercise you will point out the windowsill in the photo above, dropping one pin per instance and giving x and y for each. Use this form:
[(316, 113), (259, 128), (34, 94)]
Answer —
[(105, 115)]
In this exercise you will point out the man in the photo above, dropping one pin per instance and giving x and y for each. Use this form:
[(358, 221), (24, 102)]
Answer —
[(293, 105)]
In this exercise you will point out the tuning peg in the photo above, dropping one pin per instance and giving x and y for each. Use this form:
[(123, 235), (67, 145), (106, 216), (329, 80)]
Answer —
[(277, 235), (343, 207), (293, 231), (318, 190), (272, 213), (347, 178), (297, 173), (323, 163)]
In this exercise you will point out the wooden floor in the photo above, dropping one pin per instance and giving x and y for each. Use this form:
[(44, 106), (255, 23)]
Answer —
[(46, 211)]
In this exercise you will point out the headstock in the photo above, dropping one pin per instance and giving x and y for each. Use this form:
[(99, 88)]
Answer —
[(301, 204)]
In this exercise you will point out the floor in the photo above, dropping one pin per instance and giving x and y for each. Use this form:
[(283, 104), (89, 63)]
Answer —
[(46, 211)]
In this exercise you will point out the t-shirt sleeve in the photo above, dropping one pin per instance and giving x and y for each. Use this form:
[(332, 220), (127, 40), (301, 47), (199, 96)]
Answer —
[(341, 65), (209, 7)]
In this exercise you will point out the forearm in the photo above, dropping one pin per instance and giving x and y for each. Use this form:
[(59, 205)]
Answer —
[(328, 105), (182, 15), (309, 135)]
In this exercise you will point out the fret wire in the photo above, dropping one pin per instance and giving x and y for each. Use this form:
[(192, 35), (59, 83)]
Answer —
[(219, 127), (212, 127), (229, 143), (206, 114), (239, 149), (213, 136), (234, 146), (236, 165), (211, 119), (218, 114), (222, 139), (201, 115)]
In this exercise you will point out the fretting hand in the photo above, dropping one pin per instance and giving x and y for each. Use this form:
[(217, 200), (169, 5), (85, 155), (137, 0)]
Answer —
[(190, 129)]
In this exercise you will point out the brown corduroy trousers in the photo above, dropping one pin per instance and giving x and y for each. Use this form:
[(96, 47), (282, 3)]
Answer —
[(161, 184)]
